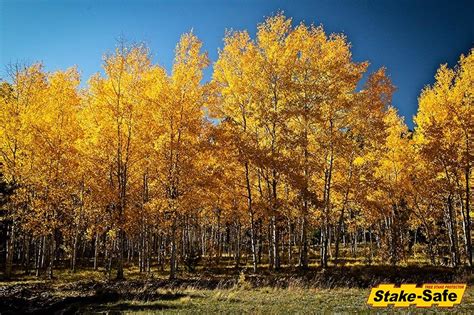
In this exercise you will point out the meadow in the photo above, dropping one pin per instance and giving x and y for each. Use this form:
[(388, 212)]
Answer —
[(223, 289)]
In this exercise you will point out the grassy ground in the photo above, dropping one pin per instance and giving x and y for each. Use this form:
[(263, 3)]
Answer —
[(337, 290), (224, 289), (265, 301)]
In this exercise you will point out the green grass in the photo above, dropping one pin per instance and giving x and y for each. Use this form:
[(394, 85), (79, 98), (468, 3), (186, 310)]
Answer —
[(303, 293), (267, 301)]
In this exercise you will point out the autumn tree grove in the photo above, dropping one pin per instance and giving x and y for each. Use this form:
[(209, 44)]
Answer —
[(291, 155)]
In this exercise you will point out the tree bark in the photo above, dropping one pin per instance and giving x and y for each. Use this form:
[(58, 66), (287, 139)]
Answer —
[(173, 251), (9, 250), (467, 218)]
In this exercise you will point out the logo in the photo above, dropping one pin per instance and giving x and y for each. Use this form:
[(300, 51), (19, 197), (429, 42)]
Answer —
[(442, 295)]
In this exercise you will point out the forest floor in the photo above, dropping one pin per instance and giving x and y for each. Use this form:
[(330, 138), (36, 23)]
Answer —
[(222, 290)]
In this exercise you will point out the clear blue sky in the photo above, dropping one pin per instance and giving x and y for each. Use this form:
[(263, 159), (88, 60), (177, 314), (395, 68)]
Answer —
[(411, 38)]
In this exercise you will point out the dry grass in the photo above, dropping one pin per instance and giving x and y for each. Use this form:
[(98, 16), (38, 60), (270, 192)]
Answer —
[(270, 301), (221, 289)]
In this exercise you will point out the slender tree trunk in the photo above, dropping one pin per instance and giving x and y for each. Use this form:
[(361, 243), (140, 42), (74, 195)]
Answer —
[(275, 234), (371, 248), (394, 244), (173, 251), (96, 250), (340, 222), (467, 218), (304, 239), (325, 228), (74, 251), (304, 243), (218, 238), (251, 215), (9, 250), (237, 246), (452, 231), (327, 204), (271, 260), (27, 254), (290, 235), (51, 255), (39, 255), (276, 253)]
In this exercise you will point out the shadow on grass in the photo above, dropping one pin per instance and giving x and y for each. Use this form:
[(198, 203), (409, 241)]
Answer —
[(119, 308), (103, 300), (359, 276)]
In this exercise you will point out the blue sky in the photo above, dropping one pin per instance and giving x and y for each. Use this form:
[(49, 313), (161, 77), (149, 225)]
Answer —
[(411, 38)]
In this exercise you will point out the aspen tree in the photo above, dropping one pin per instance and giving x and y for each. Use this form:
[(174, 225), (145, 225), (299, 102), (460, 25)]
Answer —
[(444, 132)]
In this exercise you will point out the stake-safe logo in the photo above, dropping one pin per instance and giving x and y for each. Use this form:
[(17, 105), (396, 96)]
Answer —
[(443, 295)]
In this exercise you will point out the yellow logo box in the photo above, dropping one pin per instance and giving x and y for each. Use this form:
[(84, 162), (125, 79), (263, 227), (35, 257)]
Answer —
[(442, 295)]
